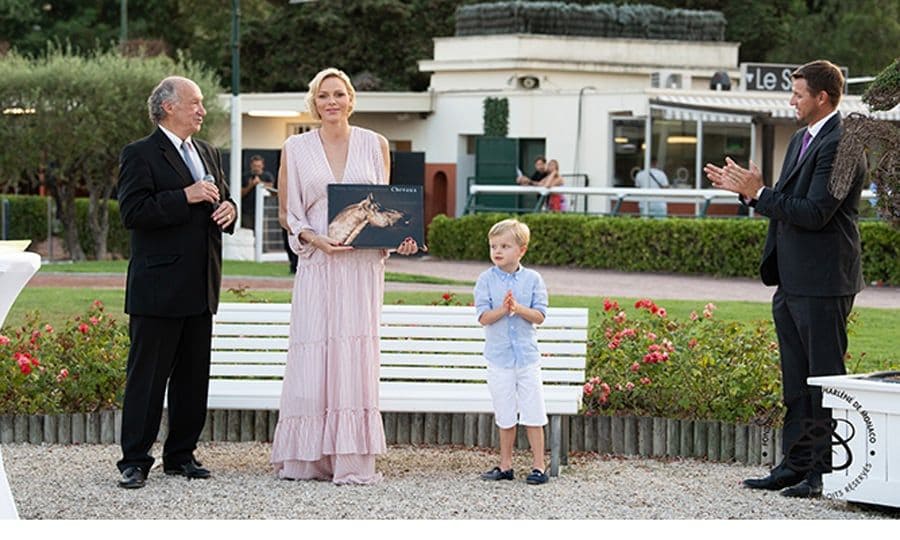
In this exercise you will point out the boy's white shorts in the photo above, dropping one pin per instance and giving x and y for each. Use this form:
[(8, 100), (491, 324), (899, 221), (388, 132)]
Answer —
[(517, 390)]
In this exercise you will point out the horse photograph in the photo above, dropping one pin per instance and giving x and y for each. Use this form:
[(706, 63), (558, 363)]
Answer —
[(374, 216)]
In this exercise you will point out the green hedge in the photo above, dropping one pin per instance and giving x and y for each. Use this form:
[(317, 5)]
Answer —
[(28, 220), (719, 247)]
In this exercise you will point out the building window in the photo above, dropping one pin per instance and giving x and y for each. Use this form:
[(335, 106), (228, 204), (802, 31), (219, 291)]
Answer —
[(628, 150), (675, 138), (720, 140), (673, 145)]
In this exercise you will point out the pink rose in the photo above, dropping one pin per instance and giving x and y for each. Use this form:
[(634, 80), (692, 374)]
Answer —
[(84, 328), (605, 389), (588, 389), (24, 363), (692, 343), (694, 316), (613, 345), (98, 304), (635, 367), (4, 340), (651, 336), (710, 306), (63, 374), (662, 313), (707, 313), (48, 329), (95, 321), (645, 380), (629, 386), (620, 317)]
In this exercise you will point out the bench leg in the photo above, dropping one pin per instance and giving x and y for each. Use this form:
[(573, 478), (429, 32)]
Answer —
[(566, 443), (555, 443)]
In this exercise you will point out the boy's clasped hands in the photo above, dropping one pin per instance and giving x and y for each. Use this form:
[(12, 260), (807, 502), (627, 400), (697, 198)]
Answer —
[(509, 303)]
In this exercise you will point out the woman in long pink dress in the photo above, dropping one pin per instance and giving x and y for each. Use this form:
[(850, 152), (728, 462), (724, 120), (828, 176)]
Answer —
[(329, 426)]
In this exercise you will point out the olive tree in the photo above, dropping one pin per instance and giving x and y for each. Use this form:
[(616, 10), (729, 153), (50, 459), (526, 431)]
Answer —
[(70, 116)]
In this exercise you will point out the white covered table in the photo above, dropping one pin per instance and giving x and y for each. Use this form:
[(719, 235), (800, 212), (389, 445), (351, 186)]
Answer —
[(16, 268)]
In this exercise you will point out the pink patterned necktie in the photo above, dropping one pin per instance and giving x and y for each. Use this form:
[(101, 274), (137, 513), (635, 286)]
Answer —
[(807, 136)]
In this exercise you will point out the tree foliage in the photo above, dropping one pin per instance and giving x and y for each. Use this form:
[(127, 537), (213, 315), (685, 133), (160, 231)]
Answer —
[(67, 117), (283, 45)]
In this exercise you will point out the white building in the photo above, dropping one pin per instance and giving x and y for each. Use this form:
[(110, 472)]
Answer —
[(584, 101)]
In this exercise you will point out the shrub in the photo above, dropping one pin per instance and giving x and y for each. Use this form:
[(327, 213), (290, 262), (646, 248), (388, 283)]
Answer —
[(643, 362), (720, 247), (28, 220), (78, 368)]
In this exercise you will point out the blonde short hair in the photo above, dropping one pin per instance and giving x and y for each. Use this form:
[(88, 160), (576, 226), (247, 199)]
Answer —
[(316, 83), (519, 230)]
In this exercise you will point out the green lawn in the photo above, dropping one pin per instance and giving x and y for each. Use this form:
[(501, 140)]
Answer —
[(232, 268), (873, 341)]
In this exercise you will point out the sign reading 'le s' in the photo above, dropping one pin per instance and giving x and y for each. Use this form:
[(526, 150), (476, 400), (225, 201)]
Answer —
[(771, 77)]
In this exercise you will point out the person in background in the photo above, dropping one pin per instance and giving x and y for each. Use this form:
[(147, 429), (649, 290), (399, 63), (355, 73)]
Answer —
[(255, 176), (652, 178), (540, 171), (556, 202)]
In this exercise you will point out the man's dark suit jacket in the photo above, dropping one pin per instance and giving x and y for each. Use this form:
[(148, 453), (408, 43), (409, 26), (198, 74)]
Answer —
[(812, 247), (176, 248)]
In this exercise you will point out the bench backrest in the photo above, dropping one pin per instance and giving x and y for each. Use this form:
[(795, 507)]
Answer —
[(418, 343)]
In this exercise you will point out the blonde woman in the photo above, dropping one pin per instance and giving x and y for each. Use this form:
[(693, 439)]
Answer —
[(557, 201), (329, 426)]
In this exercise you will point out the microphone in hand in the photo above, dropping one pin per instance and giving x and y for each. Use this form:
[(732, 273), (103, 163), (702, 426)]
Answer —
[(209, 178)]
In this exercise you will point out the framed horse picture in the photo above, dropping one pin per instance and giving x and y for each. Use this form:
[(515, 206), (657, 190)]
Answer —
[(375, 215)]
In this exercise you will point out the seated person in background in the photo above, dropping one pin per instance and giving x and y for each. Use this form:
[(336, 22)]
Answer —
[(652, 178), (557, 201), (540, 171)]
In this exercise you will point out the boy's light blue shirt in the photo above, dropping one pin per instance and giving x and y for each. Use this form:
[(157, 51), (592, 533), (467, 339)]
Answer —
[(510, 342)]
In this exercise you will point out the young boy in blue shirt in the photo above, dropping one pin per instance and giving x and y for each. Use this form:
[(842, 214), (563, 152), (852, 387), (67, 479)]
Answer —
[(509, 301)]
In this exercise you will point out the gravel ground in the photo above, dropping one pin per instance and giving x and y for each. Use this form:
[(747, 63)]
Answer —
[(78, 482)]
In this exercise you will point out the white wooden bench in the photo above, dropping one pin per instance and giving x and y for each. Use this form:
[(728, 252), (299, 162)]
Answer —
[(431, 361)]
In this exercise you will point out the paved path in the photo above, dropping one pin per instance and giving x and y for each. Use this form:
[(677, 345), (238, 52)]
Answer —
[(560, 281)]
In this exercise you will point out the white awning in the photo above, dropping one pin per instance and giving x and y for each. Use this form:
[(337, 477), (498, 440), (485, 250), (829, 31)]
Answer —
[(740, 107)]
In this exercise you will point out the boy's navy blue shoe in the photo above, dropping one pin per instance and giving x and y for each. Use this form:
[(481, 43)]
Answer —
[(537, 476), (497, 474)]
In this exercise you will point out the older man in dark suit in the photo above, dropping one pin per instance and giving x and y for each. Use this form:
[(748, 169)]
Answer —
[(174, 200), (812, 253)]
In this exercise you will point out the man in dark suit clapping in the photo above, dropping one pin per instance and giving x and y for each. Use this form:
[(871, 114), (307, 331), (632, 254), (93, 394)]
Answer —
[(812, 253), (173, 199)]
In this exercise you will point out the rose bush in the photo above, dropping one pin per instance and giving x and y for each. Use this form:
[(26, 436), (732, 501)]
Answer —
[(641, 361), (78, 368)]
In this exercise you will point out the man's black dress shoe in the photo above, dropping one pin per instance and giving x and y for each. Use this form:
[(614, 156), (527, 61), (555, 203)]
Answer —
[(809, 488), (190, 469), (780, 478), (132, 478)]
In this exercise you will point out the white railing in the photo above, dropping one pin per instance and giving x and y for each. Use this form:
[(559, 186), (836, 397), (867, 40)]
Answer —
[(267, 241)]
